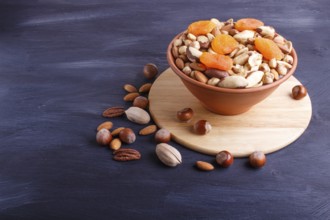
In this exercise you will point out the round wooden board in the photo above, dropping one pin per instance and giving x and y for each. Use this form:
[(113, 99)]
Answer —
[(268, 126)]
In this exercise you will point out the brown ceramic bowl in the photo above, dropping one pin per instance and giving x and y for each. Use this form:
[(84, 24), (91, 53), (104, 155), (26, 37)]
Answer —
[(226, 101)]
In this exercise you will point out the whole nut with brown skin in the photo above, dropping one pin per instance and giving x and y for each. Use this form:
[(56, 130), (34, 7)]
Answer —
[(299, 92), (257, 159), (103, 136), (127, 135), (141, 102), (185, 114), (224, 158), (150, 70), (202, 127), (162, 136)]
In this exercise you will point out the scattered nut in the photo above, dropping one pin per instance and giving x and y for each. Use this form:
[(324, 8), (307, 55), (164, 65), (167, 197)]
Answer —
[(107, 125), (126, 154), (113, 112), (115, 144), (137, 115), (168, 155), (145, 88), (130, 88), (150, 70), (185, 114), (224, 158), (162, 136), (299, 92), (150, 129), (127, 136), (116, 131), (204, 166), (202, 127), (103, 137), (257, 159), (131, 96), (141, 102)]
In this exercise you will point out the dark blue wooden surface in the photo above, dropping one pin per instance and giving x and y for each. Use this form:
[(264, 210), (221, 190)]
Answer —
[(63, 62)]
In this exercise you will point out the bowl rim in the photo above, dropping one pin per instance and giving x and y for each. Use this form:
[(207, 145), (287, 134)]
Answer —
[(183, 76)]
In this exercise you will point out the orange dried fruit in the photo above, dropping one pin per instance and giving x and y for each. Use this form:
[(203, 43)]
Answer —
[(201, 27), (217, 61), (268, 48), (224, 44), (248, 24)]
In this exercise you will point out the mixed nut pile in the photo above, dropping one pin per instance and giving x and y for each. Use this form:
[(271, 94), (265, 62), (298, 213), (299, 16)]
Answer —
[(229, 54), (241, 54)]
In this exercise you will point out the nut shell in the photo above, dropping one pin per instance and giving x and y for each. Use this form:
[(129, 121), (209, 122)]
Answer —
[(257, 159), (127, 136), (103, 136), (202, 127), (168, 155), (224, 158), (185, 114)]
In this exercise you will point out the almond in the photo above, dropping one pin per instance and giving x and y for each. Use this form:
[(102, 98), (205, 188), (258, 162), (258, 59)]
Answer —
[(115, 144), (107, 125), (145, 88), (117, 131), (130, 88), (148, 130), (205, 166), (131, 96)]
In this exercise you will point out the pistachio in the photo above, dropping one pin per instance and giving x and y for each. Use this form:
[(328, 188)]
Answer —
[(254, 78), (168, 155), (286, 47), (278, 39), (241, 51), (234, 82), (137, 115)]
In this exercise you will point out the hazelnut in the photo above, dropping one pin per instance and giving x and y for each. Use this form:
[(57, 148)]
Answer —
[(257, 159), (162, 136), (224, 158), (103, 136), (202, 127), (150, 70), (299, 92), (185, 114), (141, 102), (127, 135)]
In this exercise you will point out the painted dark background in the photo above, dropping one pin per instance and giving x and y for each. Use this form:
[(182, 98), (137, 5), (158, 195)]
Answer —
[(63, 62)]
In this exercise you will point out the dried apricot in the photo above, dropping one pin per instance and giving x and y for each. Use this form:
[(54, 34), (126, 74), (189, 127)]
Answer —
[(268, 48), (224, 44), (248, 24), (217, 61), (201, 27)]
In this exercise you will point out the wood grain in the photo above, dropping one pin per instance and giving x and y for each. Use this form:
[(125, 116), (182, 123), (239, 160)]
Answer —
[(269, 126)]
